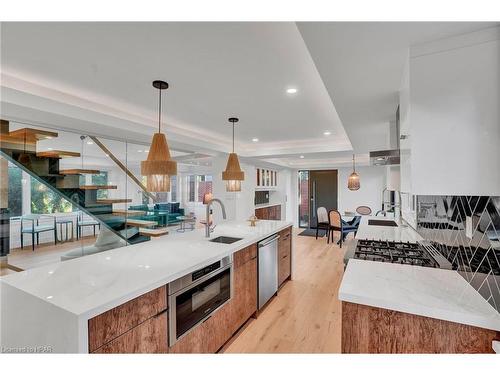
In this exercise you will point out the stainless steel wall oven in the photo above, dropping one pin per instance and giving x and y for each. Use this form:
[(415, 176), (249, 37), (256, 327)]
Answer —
[(192, 299)]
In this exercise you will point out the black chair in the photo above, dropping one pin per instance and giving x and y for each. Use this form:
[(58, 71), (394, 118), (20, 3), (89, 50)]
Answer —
[(81, 223), (322, 220), (35, 228)]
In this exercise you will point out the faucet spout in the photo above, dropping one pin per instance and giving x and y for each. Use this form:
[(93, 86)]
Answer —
[(208, 229)]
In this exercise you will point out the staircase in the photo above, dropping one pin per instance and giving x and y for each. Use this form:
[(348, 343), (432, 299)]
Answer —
[(19, 148)]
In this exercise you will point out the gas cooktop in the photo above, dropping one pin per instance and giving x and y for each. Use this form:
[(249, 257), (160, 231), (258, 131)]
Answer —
[(413, 254)]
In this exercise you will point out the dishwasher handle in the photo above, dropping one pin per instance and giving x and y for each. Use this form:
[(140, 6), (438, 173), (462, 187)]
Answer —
[(268, 241)]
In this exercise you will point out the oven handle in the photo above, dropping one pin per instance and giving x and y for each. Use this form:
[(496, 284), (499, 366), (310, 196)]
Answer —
[(202, 279)]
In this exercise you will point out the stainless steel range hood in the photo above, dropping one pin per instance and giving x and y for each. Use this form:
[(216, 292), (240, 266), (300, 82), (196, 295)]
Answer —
[(391, 156), (384, 157)]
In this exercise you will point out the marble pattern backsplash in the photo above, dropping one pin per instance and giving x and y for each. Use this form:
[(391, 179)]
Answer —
[(443, 221)]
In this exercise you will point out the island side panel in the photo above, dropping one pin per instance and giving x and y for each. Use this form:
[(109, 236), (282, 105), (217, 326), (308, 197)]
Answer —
[(30, 324), (367, 329)]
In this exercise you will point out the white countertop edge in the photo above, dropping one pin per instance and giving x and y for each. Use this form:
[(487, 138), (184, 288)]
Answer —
[(112, 303), (391, 296), (424, 311)]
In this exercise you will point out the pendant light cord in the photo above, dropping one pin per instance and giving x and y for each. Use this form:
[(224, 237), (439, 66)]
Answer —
[(233, 137), (159, 111), (353, 164)]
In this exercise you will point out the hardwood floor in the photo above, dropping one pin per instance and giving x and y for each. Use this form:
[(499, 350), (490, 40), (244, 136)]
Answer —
[(306, 315)]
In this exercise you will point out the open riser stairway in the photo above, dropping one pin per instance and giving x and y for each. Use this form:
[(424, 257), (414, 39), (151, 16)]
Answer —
[(19, 148)]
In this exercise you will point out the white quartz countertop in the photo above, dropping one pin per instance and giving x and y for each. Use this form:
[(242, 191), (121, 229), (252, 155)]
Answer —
[(383, 233), (431, 292), (93, 284)]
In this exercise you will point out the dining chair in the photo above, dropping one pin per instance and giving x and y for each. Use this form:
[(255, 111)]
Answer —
[(364, 210), (322, 222), (81, 223), (35, 228), (335, 224)]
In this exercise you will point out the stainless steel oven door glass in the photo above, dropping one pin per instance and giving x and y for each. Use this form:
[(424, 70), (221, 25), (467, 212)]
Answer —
[(196, 302)]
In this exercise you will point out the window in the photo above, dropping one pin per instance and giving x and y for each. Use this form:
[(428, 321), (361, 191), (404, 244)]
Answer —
[(162, 197), (191, 188), (303, 199), (173, 188), (45, 201), (198, 186), (101, 179), (204, 186), (15, 190)]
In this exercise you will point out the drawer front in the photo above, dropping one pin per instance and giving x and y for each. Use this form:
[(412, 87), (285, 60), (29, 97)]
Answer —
[(111, 324), (286, 234), (284, 255), (284, 266), (148, 337), (245, 255)]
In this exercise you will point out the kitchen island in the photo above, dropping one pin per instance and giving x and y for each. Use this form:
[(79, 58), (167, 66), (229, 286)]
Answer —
[(124, 289), (400, 308)]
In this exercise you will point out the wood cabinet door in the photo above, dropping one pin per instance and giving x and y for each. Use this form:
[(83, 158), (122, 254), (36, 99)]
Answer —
[(109, 325), (148, 337), (212, 334), (244, 303), (284, 255)]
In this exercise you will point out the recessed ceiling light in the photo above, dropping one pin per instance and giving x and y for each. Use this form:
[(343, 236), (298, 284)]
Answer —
[(327, 133), (139, 150), (255, 139), (50, 148), (291, 90), (146, 151), (90, 143), (302, 156), (49, 137)]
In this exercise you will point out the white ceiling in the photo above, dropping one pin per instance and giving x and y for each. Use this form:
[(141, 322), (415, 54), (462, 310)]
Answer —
[(361, 64), (78, 74), (215, 70)]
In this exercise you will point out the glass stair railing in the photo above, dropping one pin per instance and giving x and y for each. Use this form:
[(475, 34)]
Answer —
[(19, 148)]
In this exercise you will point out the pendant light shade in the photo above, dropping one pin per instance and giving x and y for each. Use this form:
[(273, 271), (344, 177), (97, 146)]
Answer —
[(159, 166), (233, 175), (353, 180)]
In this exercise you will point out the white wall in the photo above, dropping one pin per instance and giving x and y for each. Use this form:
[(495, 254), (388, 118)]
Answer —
[(455, 116), (373, 181)]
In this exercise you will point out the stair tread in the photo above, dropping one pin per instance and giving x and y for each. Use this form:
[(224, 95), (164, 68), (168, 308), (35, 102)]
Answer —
[(98, 187), (33, 134), (79, 171), (111, 201), (58, 154), (140, 223)]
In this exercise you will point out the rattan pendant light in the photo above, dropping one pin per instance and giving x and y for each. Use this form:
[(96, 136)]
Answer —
[(353, 180), (159, 166), (233, 175)]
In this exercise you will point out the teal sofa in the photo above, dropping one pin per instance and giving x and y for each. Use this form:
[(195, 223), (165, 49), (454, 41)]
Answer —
[(163, 213)]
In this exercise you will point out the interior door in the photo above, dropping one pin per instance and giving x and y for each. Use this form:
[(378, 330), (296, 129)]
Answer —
[(322, 192)]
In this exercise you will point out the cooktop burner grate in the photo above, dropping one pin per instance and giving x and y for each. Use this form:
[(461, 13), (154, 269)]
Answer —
[(394, 252)]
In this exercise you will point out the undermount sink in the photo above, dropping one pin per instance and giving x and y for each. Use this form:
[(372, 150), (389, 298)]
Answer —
[(225, 239), (383, 223)]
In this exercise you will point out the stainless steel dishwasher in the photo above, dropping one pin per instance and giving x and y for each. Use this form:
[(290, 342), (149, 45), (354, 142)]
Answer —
[(268, 269)]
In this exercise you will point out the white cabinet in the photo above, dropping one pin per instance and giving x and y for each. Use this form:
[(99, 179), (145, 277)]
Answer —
[(266, 179), (454, 116)]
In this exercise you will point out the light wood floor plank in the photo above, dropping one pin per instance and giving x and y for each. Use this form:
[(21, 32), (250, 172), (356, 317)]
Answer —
[(306, 316)]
